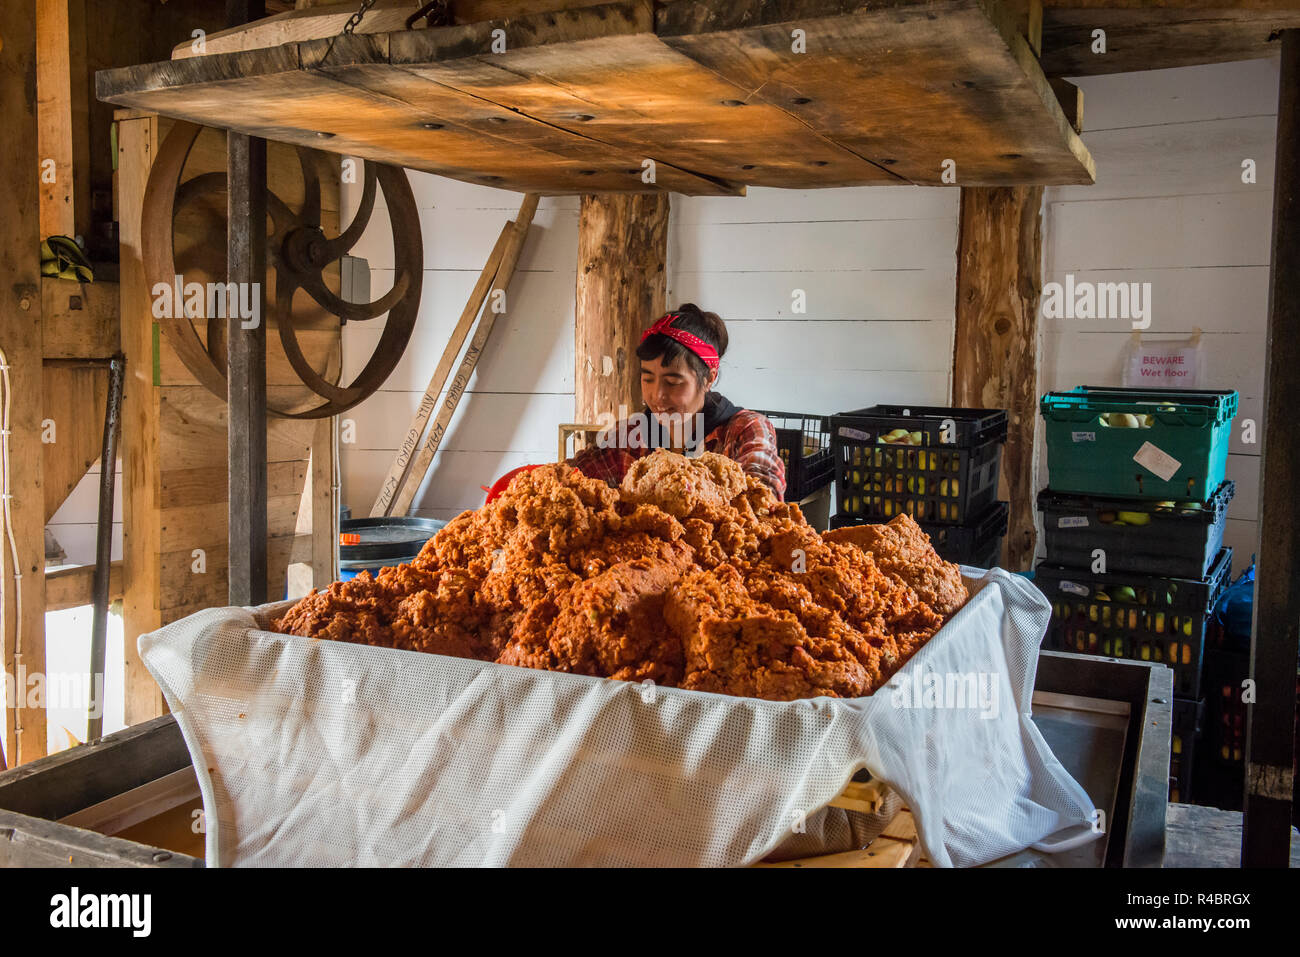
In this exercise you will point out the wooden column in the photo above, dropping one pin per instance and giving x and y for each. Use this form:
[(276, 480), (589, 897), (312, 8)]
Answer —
[(622, 284), (1275, 632), (246, 362), (246, 352), (137, 144), (62, 92), (23, 637), (995, 355)]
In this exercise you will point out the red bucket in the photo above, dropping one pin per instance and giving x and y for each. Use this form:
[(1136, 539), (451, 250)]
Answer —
[(504, 482)]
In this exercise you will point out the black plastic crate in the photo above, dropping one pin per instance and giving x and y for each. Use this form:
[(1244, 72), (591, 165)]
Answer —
[(804, 443), (1180, 539), (1139, 617), (978, 544), (1224, 673), (944, 470), (1189, 719)]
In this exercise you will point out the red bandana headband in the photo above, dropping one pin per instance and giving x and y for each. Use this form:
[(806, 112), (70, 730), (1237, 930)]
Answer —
[(664, 326)]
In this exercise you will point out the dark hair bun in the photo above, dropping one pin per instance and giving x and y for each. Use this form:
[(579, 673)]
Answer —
[(707, 325)]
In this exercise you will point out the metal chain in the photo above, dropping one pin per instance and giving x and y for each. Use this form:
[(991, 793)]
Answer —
[(356, 17)]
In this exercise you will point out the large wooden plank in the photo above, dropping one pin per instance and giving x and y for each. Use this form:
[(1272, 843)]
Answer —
[(66, 782), (626, 88), (1160, 36), (63, 135), (272, 94), (711, 90), (185, 589), (906, 86), (34, 842), (141, 498), (22, 588), (71, 587), (74, 401), (79, 320)]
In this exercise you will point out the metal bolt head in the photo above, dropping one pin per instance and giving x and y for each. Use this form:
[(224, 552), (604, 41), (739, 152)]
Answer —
[(24, 303)]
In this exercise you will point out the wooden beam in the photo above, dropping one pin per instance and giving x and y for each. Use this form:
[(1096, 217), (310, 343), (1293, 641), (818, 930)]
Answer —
[(71, 587), (1071, 99), (1159, 37), (79, 320), (1275, 631), (63, 115), (21, 598), (246, 368), (137, 144), (710, 91), (999, 278), (622, 287)]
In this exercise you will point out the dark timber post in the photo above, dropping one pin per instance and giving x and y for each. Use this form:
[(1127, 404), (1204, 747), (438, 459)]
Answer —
[(1270, 721), (246, 351)]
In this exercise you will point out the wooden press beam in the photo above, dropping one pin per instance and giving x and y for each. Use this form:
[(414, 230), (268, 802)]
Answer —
[(999, 278), (23, 637), (622, 286), (1275, 631), (246, 353)]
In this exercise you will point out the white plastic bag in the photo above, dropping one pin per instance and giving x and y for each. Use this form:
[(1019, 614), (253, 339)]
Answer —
[(313, 753)]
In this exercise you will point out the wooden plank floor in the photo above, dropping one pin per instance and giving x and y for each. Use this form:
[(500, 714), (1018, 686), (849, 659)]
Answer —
[(719, 94)]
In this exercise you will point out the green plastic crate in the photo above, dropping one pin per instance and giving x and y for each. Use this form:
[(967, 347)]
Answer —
[(1087, 457)]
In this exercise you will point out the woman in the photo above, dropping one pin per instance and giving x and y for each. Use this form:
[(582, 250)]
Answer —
[(680, 355)]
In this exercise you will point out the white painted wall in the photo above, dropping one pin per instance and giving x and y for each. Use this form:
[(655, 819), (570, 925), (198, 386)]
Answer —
[(1170, 208), (877, 266)]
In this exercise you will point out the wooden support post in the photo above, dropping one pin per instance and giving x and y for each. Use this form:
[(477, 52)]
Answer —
[(1275, 632), (137, 144), (22, 579), (999, 279), (246, 351), (63, 117), (622, 286), (246, 362)]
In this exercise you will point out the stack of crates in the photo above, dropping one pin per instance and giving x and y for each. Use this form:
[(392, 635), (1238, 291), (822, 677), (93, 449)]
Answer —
[(1133, 525), (803, 441), (938, 465)]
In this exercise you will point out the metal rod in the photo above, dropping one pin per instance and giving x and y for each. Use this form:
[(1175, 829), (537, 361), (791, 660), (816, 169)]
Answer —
[(104, 547), (1275, 631)]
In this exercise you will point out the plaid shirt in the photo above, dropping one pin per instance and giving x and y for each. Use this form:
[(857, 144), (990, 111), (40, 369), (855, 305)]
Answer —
[(747, 438)]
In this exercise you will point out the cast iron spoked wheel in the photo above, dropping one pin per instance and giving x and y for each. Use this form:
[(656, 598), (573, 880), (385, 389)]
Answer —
[(299, 252)]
